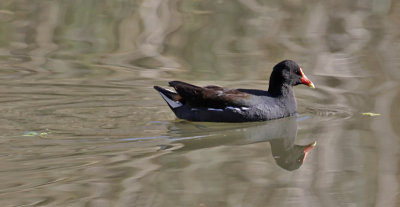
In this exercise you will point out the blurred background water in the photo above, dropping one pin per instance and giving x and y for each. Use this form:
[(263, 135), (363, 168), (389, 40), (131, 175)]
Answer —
[(81, 125)]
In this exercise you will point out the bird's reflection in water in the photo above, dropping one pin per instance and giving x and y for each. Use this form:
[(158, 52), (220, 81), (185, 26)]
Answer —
[(281, 135)]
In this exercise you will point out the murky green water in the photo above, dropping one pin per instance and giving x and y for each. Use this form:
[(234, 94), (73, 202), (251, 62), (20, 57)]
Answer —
[(76, 79)]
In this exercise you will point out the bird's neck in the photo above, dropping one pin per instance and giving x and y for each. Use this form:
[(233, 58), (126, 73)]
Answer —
[(277, 90)]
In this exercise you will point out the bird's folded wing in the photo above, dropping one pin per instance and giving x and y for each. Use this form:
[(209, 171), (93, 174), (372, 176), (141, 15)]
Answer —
[(209, 96)]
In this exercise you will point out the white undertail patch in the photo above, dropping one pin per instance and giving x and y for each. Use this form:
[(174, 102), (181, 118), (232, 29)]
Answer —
[(169, 90), (172, 103)]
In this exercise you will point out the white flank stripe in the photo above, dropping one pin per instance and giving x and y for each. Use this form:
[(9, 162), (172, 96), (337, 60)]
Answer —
[(233, 108), (172, 103), (213, 109)]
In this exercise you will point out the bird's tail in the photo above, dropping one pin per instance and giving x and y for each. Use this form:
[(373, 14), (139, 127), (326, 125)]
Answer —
[(173, 99)]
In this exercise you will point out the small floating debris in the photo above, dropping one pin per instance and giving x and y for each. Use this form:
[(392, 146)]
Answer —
[(30, 134), (370, 114), (33, 134)]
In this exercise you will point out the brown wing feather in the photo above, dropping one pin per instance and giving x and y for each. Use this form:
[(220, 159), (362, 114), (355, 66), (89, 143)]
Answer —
[(217, 88), (209, 96)]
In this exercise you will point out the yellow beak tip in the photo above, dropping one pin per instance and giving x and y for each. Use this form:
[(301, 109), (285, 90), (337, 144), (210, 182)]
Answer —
[(311, 85)]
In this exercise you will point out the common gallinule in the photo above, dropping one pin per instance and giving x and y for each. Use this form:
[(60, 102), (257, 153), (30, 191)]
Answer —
[(217, 104)]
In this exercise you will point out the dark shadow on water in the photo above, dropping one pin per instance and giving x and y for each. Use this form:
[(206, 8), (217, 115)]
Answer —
[(281, 135)]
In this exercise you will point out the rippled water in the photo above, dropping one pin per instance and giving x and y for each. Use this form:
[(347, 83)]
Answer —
[(82, 126)]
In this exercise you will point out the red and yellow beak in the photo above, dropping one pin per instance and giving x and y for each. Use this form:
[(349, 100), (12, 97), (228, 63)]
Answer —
[(305, 80)]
